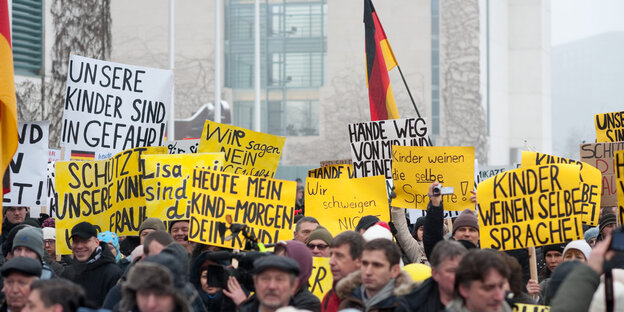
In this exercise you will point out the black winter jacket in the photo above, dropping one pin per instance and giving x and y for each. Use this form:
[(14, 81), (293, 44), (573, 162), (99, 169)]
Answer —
[(97, 277), (422, 299)]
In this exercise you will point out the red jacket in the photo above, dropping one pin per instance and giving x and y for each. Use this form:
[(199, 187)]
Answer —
[(330, 302)]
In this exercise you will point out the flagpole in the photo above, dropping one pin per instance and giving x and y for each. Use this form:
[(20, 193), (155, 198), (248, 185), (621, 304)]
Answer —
[(256, 124), (217, 63), (408, 90), (171, 126)]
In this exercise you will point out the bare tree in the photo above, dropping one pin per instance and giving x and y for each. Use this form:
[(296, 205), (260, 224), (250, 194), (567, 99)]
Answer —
[(464, 117)]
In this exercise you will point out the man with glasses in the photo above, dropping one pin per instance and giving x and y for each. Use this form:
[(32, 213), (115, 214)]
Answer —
[(319, 241), (94, 265)]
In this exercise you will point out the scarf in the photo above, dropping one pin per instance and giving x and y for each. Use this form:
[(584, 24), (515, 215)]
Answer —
[(96, 255), (384, 293)]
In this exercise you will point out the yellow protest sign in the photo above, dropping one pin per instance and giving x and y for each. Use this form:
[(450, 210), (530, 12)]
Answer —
[(259, 208), (414, 168), (591, 180), (530, 206), (247, 152), (166, 179), (609, 127), (106, 193), (523, 307), (618, 164), (338, 204), (321, 280), (332, 172)]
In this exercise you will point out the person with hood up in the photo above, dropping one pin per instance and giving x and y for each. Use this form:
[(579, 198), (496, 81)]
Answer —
[(296, 250), (112, 240), (151, 287), (94, 265)]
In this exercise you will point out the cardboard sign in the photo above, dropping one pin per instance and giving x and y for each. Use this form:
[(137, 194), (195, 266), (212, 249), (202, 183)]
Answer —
[(321, 280), (609, 127), (106, 193), (166, 179), (338, 204), (29, 166), (336, 162), (332, 172), (530, 206), (591, 180), (619, 176), (264, 206), (246, 152), (523, 307), (371, 143), (183, 146), (111, 107), (415, 168), (601, 155)]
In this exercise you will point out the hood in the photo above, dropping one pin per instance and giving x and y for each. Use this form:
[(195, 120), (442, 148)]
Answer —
[(299, 252), (402, 285), (174, 258)]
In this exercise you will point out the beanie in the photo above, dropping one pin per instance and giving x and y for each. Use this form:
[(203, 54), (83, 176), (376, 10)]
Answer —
[(320, 233), (366, 222), (553, 247), (30, 237), (591, 233), (377, 231), (152, 223), (580, 245), (111, 238), (420, 222), (605, 220), (466, 218), (49, 233)]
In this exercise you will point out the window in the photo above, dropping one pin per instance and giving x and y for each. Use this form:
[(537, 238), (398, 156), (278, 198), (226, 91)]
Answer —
[(27, 37)]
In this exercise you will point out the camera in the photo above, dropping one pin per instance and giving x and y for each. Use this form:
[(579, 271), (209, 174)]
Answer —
[(439, 190), (617, 240), (220, 270)]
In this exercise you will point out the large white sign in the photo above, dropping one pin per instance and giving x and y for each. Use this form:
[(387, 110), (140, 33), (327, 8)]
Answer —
[(371, 143), (28, 167), (110, 107)]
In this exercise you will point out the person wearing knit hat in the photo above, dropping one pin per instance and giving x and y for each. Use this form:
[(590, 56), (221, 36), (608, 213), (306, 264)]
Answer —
[(466, 227), (150, 225), (606, 224), (591, 235), (577, 250), (28, 242), (377, 231), (365, 223), (319, 242), (112, 240), (419, 228)]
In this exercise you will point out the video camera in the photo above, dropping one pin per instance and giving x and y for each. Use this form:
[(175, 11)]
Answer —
[(218, 273)]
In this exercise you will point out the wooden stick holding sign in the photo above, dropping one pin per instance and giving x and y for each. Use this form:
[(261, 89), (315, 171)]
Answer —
[(533, 266)]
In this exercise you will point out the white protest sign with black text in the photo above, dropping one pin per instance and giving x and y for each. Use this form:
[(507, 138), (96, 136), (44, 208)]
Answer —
[(110, 107), (29, 166), (371, 143)]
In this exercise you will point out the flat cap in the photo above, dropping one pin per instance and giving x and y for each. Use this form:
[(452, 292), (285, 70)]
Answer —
[(276, 262), (26, 266)]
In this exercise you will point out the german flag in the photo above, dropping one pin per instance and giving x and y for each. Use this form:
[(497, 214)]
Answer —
[(82, 155), (379, 60), (8, 108)]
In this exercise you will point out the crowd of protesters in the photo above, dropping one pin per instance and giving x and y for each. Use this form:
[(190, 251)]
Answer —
[(426, 265)]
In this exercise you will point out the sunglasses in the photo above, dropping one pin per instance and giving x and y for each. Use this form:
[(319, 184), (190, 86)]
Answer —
[(319, 246)]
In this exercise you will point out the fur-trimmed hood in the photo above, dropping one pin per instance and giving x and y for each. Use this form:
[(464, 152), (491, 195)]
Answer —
[(403, 284)]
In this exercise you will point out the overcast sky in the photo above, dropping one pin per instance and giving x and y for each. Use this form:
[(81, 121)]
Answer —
[(576, 19)]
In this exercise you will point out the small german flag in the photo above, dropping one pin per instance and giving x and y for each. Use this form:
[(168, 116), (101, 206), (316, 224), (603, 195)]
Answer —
[(379, 60), (82, 155)]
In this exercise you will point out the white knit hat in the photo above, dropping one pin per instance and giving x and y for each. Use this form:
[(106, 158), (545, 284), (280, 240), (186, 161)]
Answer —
[(580, 245), (49, 233), (377, 231)]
